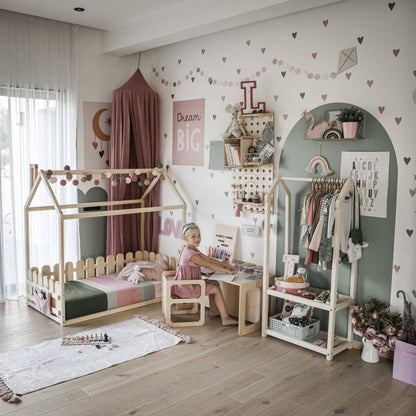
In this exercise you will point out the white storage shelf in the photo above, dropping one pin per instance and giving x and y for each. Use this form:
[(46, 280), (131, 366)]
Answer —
[(343, 301), (336, 303)]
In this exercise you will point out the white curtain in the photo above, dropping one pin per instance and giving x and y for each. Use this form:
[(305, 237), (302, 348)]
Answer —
[(38, 108)]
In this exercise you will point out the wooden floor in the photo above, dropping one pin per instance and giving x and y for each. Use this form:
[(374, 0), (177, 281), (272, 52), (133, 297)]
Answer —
[(218, 374)]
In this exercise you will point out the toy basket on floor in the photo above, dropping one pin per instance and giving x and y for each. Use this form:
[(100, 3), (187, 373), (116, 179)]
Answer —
[(295, 331)]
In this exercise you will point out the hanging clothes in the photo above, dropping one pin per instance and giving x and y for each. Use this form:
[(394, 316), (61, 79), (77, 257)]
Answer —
[(317, 224)]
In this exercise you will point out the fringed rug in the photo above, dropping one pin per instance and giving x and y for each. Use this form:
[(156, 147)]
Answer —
[(33, 368)]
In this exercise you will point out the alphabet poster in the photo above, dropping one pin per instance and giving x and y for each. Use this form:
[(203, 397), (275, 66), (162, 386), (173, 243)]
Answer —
[(188, 132), (371, 170)]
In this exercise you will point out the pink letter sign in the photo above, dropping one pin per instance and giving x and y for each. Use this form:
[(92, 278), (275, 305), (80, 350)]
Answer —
[(188, 132)]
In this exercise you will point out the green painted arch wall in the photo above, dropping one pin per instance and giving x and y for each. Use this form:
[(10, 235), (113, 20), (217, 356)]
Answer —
[(375, 267)]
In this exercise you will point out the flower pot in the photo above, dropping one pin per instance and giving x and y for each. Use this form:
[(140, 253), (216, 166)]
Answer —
[(369, 354), (350, 129)]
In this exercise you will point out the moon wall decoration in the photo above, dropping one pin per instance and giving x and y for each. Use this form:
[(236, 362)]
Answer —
[(96, 126)]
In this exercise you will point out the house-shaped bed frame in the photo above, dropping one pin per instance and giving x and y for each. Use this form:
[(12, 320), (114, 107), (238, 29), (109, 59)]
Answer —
[(51, 280)]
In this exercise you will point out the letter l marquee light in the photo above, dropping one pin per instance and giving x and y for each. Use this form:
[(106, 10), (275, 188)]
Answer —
[(248, 87)]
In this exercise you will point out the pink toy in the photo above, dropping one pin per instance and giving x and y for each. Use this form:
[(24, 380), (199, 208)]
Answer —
[(321, 161), (315, 132), (137, 276)]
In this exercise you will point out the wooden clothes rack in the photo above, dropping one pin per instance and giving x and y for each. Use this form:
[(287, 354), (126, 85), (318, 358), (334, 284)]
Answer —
[(42, 178), (337, 302)]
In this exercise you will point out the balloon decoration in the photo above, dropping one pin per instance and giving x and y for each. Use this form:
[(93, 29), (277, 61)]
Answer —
[(135, 176)]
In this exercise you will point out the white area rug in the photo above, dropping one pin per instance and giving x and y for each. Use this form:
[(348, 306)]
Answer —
[(33, 368)]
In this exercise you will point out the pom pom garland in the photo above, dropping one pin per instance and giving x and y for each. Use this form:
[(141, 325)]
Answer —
[(142, 178)]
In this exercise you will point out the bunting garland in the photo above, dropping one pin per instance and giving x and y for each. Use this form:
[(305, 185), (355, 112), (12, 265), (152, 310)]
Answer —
[(197, 72)]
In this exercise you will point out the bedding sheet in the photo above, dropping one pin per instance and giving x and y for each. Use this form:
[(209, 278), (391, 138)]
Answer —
[(101, 293)]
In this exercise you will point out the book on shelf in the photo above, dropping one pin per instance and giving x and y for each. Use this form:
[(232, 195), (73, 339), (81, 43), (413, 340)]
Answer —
[(232, 154)]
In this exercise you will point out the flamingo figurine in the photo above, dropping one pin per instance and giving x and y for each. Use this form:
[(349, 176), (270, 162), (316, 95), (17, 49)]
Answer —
[(315, 132)]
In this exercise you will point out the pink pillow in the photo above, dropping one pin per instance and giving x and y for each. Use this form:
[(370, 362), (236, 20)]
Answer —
[(147, 270)]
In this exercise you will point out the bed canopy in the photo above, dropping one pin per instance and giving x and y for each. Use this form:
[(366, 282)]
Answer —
[(134, 143)]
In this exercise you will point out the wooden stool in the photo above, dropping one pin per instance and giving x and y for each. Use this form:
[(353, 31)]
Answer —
[(180, 304)]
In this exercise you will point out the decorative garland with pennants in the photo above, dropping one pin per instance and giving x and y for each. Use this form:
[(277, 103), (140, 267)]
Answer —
[(192, 74)]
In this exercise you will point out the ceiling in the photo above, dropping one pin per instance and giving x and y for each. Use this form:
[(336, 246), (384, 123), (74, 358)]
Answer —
[(130, 26)]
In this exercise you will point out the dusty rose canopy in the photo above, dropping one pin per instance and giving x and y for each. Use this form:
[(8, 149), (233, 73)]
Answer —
[(134, 143)]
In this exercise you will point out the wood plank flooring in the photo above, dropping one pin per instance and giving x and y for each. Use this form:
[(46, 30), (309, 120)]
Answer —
[(218, 374)]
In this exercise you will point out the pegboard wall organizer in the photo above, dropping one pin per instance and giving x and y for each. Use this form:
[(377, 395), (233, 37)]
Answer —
[(254, 124), (250, 185), (244, 151)]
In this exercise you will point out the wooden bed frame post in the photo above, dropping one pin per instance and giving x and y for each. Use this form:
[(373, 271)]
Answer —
[(34, 184), (61, 245), (142, 227)]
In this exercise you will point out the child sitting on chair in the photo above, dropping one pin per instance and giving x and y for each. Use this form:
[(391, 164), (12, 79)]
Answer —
[(189, 268)]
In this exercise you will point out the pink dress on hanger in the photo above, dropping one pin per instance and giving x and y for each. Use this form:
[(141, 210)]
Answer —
[(188, 270)]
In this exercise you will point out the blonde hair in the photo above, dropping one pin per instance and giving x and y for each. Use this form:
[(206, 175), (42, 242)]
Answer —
[(187, 227)]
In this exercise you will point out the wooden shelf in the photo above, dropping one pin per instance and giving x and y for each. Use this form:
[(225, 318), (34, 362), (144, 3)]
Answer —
[(343, 301)]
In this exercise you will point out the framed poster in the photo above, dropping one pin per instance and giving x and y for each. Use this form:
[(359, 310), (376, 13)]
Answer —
[(188, 132), (371, 169)]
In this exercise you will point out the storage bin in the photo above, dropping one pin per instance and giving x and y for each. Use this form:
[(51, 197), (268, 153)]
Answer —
[(404, 364), (298, 332), (288, 287)]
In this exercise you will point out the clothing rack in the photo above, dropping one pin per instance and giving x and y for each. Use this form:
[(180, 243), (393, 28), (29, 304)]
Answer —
[(336, 303)]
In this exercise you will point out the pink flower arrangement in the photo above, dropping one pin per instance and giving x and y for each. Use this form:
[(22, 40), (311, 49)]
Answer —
[(374, 321)]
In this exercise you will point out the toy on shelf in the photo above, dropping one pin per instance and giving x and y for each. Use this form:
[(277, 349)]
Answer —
[(235, 129), (315, 131), (87, 340)]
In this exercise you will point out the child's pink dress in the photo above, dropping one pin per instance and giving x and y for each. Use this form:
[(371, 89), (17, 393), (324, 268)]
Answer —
[(188, 270)]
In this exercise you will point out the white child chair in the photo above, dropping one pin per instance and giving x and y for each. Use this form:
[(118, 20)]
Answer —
[(181, 304)]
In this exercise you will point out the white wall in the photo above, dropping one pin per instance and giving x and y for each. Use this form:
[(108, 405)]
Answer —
[(383, 83), (99, 75)]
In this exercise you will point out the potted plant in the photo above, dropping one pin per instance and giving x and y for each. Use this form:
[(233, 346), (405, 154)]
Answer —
[(350, 118), (377, 327)]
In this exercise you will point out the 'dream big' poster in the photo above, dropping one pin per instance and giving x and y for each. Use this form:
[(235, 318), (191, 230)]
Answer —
[(188, 132), (371, 169)]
